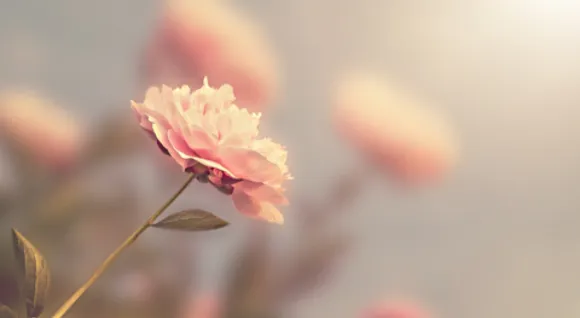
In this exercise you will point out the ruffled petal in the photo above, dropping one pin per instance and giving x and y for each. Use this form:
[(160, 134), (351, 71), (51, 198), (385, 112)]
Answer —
[(198, 139)]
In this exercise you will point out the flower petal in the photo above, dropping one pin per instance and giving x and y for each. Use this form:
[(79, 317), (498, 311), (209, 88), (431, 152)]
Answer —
[(161, 135), (271, 214), (144, 121), (153, 95), (245, 204), (249, 165), (223, 125), (182, 148), (262, 192), (152, 115), (180, 145), (198, 139), (213, 164), (256, 209)]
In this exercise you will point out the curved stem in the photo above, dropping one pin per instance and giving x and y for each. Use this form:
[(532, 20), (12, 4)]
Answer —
[(72, 300)]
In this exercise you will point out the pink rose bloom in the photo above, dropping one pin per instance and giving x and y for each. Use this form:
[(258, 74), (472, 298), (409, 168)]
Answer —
[(397, 309), (397, 131), (214, 39), (206, 133), (50, 135)]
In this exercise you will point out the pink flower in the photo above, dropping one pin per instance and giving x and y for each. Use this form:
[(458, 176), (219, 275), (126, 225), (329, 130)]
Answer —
[(206, 133), (203, 307), (397, 309), (134, 287), (213, 38), (50, 135), (395, 129)]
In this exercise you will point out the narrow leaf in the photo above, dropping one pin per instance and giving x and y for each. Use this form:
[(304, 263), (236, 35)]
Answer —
[(192, 220), (35, 274), (6, 312)]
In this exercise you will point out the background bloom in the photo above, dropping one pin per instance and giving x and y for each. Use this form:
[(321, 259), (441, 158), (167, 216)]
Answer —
[(397, 309), (206, 132), (203, 307), (40, 128), (215, 39), (395, 129)]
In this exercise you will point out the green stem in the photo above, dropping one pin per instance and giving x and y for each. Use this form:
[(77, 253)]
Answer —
[(72, 300)]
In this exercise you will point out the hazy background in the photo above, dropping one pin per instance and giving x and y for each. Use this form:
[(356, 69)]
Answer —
[(498, 239)]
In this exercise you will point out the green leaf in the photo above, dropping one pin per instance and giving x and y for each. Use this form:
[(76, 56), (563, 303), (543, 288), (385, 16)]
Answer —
[(34, 272), (192, 220), (6, 312)]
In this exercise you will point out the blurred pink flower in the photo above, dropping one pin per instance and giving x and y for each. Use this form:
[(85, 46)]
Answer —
[(136, 286), (397, 309), (202, 307), (206, 128), (214, 39), (397, 131), (40, 128)]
